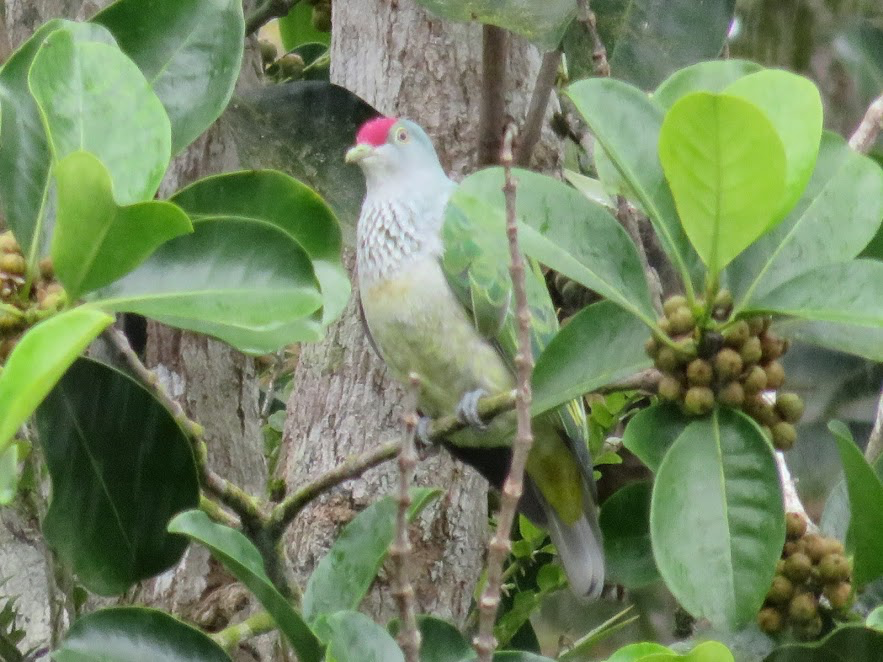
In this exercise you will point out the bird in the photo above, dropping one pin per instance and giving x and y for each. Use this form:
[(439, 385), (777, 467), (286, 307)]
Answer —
[(433, 310)]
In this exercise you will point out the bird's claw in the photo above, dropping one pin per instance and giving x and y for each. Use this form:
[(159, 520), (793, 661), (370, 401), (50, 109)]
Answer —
[(467, 409)]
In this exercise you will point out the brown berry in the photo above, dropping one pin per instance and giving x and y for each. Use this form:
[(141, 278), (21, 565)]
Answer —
[(834, 568), (772, 347), (732, 395), (839, 594), (651, 347), (727, 364), (669, 388), (673, 303), (750, 351), (710, 344), (699, 373), (736, 334), (699, 400), (815, 546), (47, 271), (789, 406), (788, 549), (784, 436), (795, 526), (770, 620), (810, 629), (781, 590), (797, 567), (756, 325), (802, 608), (13, 263), (834, 546), (666, 360), (775, 375), (755, 380)]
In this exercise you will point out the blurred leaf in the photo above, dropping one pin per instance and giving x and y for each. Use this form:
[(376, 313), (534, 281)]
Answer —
[(246, 282), (593, 189), (626, 125), (542, 23), (855, 641), (24, 148), (635, 652), (599, 345), (840, 211), (707, 651), (120, 468), (273, 198), (625, 523), (296, 28), (859, 48), (875, 619), (189, 50), (95, 241), (343, 576), (136, 634), (647, 40), (864, 341), (519, 656), (304, 128), (716, 520), (836, 515), (242, 559), (39, 360), (440, 641), (711, 76), (93, 98), (8, 474), (353, 637), (726, 168), (865, 535), (651, 432), (599, 633), (524, 603)]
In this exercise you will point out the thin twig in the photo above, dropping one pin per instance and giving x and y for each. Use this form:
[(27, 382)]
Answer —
[(646, 380), (491, 117), (874, 449), (539, 101), (400, 551), (266, 12), (586, 16), (626, 217), (485, 643), (869, 128), (791, 498), (217, 513), (254, 625)]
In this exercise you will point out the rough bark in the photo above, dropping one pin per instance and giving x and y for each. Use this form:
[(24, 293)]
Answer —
[(407, 63)]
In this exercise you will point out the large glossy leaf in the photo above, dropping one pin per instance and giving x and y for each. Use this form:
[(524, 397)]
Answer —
[(836, 515), (248, 283), (304, 128), (440, 641), (243, 559), (864, 341), (711, 76), (39, 360), (190, 52), (353, 637), (136, 634), (626, 124), (600, 344), (542, 23), (346, 572), (865, 535), (844, 644), (647, 40), (120, 469), (625, 523), (93, 98), (561, 229), (652, 431), (716, 519), (271, 197), (95, 241), (839, 213), (24, 149), (726, 167)]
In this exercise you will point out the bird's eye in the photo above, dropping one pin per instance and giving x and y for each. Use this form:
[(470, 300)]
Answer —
[(401, 136)]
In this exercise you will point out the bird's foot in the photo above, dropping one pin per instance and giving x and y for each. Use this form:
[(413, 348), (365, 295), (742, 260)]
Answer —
[(467, 409)]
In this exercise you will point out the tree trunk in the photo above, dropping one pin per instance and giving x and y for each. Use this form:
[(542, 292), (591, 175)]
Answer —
[(404, 62)]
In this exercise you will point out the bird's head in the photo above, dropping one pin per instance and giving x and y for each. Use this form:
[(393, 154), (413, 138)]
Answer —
[(388, 148)]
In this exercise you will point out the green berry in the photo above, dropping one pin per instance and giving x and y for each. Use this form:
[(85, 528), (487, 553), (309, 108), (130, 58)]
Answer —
[(732, 395), (723, 303), (651, 347), (834, 568), (795, 526), (789, 406), (755, 380), (686, 350), (699, 373), (810, 629), (13, 263), (669, 388), (802, 608), (321, 18), (727, 364), (775, 375), (268, 51), (815, 546), (770, 620), (666, 360), (784, 436), (750, 351), (756, 325), (780, 591), (737, 334), (664, 325), (797, 567), (8, 244), (772, 346), (291, 65), (673, 303), (699, 400), (681, 321)]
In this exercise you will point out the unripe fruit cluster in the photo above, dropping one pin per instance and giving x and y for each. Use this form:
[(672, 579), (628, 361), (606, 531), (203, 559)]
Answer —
[(734, 366), (812, 578)]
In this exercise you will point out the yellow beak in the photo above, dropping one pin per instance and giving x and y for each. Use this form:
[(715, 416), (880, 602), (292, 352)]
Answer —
[(358, 153)]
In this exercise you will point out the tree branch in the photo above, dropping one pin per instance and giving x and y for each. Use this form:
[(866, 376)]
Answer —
[(266, 12), (500, 544), (539, 101), (254, 625), (586, 16), (494, 50), (869, 128)]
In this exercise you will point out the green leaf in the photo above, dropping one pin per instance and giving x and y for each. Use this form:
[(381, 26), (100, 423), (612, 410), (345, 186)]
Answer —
[(296, 28), (840, 211), (707, 651), (190, 52), (716, 519), (856, 299), (353, 637), (626, 124), (519, 656), (248, 283), (726, 168), (652, 431), (24, 149), (647, 40), (864, 341), (600, 344), (560, 229), (635, 652), (120, 468), (625, 523), (303, 129), (8, 474), (95, 241), (39, 360), (793, 104), (242, 559), (593, 189), (865, 491), (136, 634), (844, 644), (875, 619), (543, 24), (273, 198), (346, 572), (440, 641), (711, 76), (93, 98)]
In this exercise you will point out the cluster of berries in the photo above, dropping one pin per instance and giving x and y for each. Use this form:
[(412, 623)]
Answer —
[(733, 362), (45, 294), (812, 579)]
